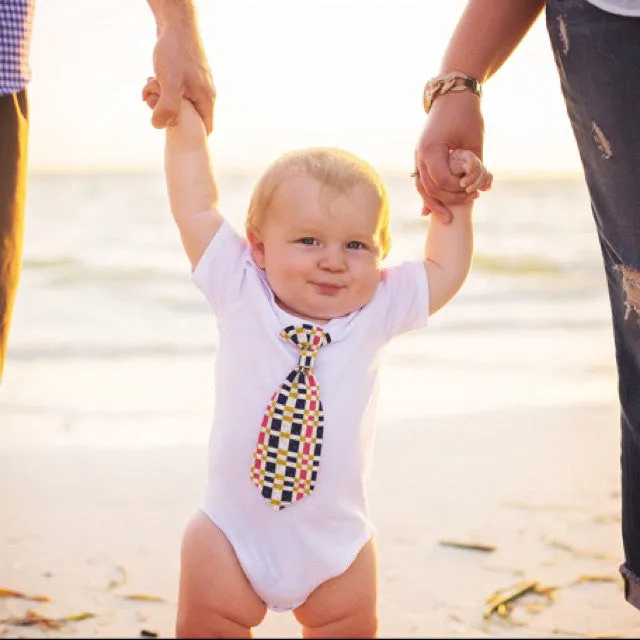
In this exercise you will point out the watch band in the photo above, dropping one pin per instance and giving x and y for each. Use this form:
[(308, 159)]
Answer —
[(445, 82)]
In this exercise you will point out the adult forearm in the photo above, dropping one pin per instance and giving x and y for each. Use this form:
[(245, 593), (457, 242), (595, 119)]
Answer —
[(169, 12), (486, 35)]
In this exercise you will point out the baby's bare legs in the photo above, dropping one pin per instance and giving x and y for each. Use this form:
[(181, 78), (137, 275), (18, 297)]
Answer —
[(215, 598), (345, 606)]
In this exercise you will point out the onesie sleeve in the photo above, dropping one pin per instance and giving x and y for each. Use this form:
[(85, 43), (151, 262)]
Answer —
[(405, 291), (221, 271)]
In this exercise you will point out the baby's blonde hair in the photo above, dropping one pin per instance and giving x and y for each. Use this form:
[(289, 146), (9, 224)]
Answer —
[(331, 167)]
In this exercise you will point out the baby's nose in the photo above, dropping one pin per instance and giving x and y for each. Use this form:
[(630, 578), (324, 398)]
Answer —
[(333, 258)]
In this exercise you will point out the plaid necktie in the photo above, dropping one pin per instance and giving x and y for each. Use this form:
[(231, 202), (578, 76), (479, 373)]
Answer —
[(287, 455)]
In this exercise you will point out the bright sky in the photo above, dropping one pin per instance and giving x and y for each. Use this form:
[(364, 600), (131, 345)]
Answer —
[(289, 73)]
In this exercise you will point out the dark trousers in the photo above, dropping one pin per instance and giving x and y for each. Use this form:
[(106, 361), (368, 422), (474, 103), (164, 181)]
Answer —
[(598, 59), (14, 129)]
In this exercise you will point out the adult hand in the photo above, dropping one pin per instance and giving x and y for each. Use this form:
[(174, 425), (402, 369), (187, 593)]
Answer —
[(455, 121), (181, 68)]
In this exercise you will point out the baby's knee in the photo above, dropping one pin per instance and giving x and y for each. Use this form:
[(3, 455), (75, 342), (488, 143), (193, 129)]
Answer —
[(359, 624), (210, 624)]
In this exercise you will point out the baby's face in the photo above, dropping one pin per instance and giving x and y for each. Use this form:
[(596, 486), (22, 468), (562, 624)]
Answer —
[(320, 248)]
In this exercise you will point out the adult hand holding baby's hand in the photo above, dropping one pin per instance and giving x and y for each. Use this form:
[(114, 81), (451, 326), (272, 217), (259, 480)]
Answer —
[(182, 70), (471, 174), (454, 122), (191, 128)]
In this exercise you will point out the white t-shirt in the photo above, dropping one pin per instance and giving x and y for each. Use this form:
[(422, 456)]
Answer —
[(328, 527), (621, 7)]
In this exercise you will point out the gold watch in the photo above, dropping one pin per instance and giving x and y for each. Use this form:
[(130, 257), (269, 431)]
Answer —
[(445, 82)]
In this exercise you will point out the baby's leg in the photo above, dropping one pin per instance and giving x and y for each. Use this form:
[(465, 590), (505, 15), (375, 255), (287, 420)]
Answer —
[(215, 598), (345, 606)]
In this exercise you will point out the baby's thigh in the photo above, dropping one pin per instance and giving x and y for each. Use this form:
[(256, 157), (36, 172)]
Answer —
[(215, 598), (345, 606)]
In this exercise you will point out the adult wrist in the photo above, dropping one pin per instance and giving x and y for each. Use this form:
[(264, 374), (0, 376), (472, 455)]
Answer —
[(451, 82), (173, 13)]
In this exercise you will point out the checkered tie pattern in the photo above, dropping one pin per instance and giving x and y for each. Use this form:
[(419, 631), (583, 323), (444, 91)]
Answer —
[(287, 455)]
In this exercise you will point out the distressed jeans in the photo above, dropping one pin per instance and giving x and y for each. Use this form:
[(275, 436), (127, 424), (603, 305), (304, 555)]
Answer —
[(598, 60)]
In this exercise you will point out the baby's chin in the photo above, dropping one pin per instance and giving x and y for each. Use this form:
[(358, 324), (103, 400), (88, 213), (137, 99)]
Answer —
[(320, 314)]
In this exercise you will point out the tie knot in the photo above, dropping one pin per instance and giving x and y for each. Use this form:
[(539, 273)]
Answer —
[(308, 338)]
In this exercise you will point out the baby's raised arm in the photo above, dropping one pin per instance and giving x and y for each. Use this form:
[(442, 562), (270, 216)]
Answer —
[(191, 185), (449, 246)]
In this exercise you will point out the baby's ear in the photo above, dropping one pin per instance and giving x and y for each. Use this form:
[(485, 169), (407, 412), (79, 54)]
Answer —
[(257, 248)]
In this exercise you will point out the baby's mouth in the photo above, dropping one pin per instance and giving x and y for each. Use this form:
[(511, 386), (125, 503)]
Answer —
[(326, 288)]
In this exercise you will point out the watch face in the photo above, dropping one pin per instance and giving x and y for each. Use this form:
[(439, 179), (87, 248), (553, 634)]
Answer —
[(473, 85)]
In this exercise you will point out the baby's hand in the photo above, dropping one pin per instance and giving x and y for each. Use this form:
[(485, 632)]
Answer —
[(188, 131), (469, 168), (151, 92)]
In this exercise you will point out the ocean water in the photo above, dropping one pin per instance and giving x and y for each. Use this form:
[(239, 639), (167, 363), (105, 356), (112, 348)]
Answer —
[(108, 327)]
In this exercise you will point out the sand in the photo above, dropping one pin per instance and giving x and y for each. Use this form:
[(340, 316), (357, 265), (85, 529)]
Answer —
[(90, 523)]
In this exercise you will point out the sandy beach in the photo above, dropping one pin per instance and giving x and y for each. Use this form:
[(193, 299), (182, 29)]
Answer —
[(96, 529)]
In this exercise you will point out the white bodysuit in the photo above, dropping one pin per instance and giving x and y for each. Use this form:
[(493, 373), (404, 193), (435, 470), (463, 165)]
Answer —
[(287, 554)]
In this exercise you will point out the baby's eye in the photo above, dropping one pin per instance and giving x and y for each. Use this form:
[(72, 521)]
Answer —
[(356, 244), (310, 242)]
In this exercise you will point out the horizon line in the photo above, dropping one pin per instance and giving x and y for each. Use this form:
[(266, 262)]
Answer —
[(121, 170)]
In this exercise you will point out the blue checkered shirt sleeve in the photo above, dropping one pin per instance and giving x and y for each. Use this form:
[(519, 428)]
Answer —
[(16, 19)]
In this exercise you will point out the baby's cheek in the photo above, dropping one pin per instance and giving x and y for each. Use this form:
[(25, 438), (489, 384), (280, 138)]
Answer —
[(372, 282)]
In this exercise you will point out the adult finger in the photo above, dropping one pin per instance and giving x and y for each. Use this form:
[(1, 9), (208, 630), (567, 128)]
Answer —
[(431, 205), (457, 197), (204, 104), (480, 181), (445, 198), (435, 159)]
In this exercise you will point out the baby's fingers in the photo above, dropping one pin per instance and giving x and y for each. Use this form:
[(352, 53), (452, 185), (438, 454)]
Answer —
[(481, 181), (151, 92), (487, 181), (473, 174)]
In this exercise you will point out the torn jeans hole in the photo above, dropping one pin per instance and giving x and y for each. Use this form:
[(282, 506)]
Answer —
[(630, 288)]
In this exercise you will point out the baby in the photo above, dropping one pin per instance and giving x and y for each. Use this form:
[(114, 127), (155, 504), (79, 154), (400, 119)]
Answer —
[(304, 309)]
